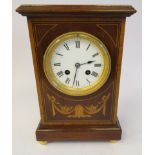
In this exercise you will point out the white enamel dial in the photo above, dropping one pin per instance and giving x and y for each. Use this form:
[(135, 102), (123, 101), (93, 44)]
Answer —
[(77, 63)]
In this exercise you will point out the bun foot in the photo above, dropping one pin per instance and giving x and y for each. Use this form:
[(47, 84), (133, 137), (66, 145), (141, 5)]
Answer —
[(43, 142)]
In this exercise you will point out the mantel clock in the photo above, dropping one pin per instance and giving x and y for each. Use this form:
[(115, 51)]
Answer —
[(77, 53)]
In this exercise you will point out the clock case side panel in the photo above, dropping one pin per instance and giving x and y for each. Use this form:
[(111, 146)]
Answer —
[(40, 98), (118, 68)]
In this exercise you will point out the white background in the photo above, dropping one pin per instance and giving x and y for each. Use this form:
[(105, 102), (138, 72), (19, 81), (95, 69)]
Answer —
[(25, 103)]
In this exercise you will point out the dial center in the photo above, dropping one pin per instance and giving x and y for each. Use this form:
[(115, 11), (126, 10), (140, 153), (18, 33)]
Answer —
[(77, 65)]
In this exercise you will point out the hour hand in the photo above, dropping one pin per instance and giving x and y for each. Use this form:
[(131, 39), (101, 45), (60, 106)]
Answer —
[(89, 62)]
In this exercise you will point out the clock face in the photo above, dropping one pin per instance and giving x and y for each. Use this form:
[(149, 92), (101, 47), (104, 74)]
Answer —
[(77, 63)]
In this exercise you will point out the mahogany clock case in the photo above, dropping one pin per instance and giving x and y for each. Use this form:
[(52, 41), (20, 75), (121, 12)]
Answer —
[(65, 117)]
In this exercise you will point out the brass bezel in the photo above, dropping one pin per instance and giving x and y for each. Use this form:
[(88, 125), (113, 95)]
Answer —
[(76, 91)]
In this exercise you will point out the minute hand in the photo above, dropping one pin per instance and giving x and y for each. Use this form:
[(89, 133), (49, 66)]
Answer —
[(75, 75), (89, 62)]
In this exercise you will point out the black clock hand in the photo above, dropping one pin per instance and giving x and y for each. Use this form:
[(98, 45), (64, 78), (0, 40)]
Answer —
[(75, 76), (77, 65), (89, 62)]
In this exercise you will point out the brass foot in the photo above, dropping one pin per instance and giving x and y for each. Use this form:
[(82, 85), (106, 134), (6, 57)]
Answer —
[(113, 141), (43, 142)]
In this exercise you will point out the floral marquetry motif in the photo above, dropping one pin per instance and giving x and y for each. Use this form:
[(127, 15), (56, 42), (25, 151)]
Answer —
[(78, 110)]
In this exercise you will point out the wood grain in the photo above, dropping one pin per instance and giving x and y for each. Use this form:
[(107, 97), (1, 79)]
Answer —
[(80, 10)]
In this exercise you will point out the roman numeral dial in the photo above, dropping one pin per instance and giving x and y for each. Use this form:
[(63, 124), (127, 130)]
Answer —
[(77, 83), (60, 73), (94, 55), (94, 74), (97, 65), (67, 81), (77, 44), (57, 64), (66, 46), (77, 64)]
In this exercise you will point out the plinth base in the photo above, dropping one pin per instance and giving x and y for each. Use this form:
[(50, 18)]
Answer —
[(79, 133)]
